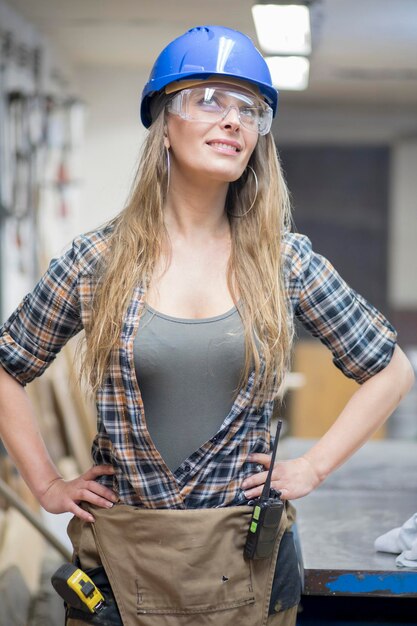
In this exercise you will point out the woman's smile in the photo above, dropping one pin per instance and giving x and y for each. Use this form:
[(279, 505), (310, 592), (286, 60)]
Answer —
[(225, 146)]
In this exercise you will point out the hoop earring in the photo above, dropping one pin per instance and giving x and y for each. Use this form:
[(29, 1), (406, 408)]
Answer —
[(168, 160), (255, 196)]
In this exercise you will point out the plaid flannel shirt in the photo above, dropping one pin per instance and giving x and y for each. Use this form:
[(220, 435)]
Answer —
[(360, 338)]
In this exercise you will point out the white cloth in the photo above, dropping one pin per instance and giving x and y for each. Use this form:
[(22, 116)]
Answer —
[(402, 541)]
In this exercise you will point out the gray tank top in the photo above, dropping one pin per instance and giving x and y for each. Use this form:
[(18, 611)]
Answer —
[(188, 371)]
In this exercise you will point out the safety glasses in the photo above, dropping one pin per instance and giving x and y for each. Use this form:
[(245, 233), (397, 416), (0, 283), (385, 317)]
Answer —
[(211, 104)]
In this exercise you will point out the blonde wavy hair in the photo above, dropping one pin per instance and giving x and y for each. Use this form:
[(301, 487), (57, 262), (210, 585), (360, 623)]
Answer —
[(254, 268)]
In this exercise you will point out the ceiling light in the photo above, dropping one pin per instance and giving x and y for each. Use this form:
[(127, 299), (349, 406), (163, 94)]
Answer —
[(289, 72), (283, 28)]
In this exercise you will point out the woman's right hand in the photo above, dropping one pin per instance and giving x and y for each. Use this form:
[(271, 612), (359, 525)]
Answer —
[(63, 496)]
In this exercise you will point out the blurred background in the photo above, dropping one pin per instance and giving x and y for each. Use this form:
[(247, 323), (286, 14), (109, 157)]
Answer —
[(71, 75)]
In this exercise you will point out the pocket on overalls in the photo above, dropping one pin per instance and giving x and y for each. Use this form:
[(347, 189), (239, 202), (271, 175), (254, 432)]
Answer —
[(185, 562), (189, 576), (182, 567)]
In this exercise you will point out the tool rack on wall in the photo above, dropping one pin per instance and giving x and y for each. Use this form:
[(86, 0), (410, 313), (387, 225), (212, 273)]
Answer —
[(40, 122)]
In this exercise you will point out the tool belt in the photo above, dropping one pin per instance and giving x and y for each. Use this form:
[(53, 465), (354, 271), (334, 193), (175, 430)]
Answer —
[(176, 567)]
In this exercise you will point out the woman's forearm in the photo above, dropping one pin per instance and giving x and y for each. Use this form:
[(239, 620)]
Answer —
[(368, 409), (364, 413), (21, 436)]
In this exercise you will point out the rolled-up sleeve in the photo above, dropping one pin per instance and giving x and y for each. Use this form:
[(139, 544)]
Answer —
[(360, 338), (44, 321)]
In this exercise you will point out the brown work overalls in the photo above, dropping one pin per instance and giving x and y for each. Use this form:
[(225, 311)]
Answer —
[(175, 567)]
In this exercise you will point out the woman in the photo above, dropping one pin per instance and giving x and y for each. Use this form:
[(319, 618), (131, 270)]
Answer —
[(204, 257)]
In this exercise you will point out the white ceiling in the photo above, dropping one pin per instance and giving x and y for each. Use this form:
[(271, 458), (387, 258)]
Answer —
[(363, 50)]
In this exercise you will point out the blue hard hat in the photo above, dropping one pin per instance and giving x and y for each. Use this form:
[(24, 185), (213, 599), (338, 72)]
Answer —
[(206, 51)]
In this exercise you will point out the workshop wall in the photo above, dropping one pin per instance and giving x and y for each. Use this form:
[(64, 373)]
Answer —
[(41, 125), (114, 136)]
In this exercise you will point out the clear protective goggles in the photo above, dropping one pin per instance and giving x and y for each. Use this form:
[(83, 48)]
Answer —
[(212, 104)]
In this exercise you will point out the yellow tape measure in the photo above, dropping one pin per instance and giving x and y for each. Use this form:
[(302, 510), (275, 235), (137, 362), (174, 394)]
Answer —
[(77, 589)]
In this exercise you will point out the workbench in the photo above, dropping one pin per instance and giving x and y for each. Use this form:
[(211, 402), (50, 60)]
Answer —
[(337, 524)]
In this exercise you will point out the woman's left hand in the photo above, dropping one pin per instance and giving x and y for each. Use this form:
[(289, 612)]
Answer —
[(294, 479)]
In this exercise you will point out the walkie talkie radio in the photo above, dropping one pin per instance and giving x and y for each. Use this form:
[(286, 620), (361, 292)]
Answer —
[(266, 516)]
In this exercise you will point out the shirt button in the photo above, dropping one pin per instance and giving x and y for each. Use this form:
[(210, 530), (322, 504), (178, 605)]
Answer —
[(187, 467)]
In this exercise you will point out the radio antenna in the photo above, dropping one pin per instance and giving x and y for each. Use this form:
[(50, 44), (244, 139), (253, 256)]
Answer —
[(267, 485)]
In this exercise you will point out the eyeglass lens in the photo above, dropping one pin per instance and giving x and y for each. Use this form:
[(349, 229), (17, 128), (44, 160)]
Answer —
[(211, 104)]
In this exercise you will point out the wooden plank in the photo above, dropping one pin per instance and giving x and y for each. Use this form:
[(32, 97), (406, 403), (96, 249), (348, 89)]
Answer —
[(78, 445), (10, 475), (23, 548), (2, 527), (314, 406), (35, 520), (83, 401)]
